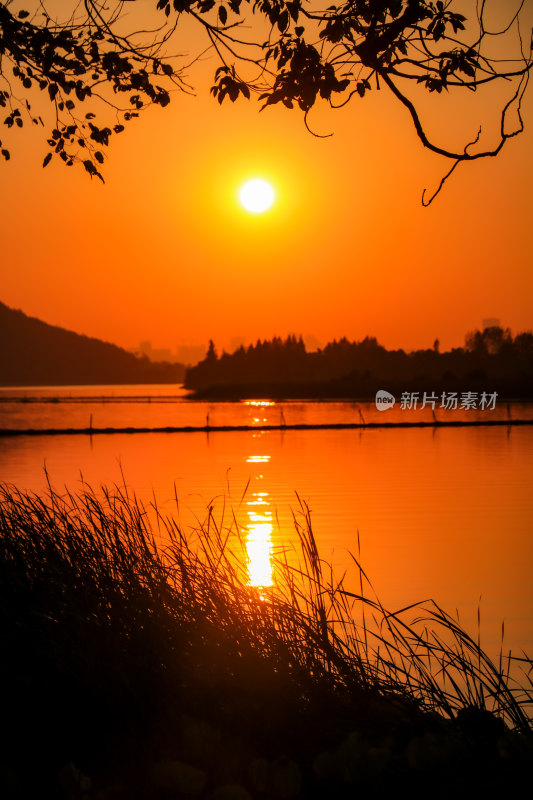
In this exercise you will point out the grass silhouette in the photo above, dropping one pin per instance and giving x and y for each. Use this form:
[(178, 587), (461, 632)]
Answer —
[(138, 662)]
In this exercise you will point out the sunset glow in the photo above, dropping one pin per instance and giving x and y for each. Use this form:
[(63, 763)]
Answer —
[(266, 398)]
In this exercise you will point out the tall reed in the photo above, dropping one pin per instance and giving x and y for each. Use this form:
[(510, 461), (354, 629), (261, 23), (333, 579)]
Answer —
[(113, 614)]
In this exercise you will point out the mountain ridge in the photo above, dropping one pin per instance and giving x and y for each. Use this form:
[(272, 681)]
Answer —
[(36, 353)]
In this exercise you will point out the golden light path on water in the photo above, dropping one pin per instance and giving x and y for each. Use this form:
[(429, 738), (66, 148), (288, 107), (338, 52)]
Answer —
[(259, 534)]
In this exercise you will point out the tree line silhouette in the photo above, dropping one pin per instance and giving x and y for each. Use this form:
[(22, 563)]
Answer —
[(491, 360)]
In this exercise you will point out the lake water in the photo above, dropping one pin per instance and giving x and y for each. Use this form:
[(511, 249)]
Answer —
[(441, 513)]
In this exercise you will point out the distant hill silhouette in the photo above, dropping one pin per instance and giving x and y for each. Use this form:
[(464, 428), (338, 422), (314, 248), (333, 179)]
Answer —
[(33, 353), (491, 361)]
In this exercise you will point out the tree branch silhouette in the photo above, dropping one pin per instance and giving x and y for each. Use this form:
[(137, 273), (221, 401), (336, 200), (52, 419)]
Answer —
[(87, 63)]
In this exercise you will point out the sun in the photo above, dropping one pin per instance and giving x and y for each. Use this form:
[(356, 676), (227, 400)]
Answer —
[(256, 195)]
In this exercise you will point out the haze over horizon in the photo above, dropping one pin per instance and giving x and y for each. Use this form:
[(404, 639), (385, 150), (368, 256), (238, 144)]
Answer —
[(192, 352)]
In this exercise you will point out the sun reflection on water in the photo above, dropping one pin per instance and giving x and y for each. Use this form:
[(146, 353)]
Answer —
[(257, 407), (259, 525), (259, 553), (259, 534)]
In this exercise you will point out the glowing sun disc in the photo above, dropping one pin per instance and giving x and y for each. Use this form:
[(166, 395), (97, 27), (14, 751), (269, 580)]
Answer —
[(256, 196)]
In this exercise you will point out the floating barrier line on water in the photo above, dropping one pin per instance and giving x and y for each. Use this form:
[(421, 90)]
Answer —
[(333, 426)]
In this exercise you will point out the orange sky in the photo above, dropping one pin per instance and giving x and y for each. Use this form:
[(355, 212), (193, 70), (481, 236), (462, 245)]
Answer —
[(163, 252)]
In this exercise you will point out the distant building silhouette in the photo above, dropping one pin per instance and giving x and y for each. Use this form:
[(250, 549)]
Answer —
[(191, 353), (490, 322), (163, 354), (235, 343), (312, 343)]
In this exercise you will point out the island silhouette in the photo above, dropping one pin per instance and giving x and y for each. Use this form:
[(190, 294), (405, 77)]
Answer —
[(492, 360)]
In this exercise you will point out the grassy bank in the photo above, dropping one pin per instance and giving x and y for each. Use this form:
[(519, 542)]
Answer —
[(138, 663)]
